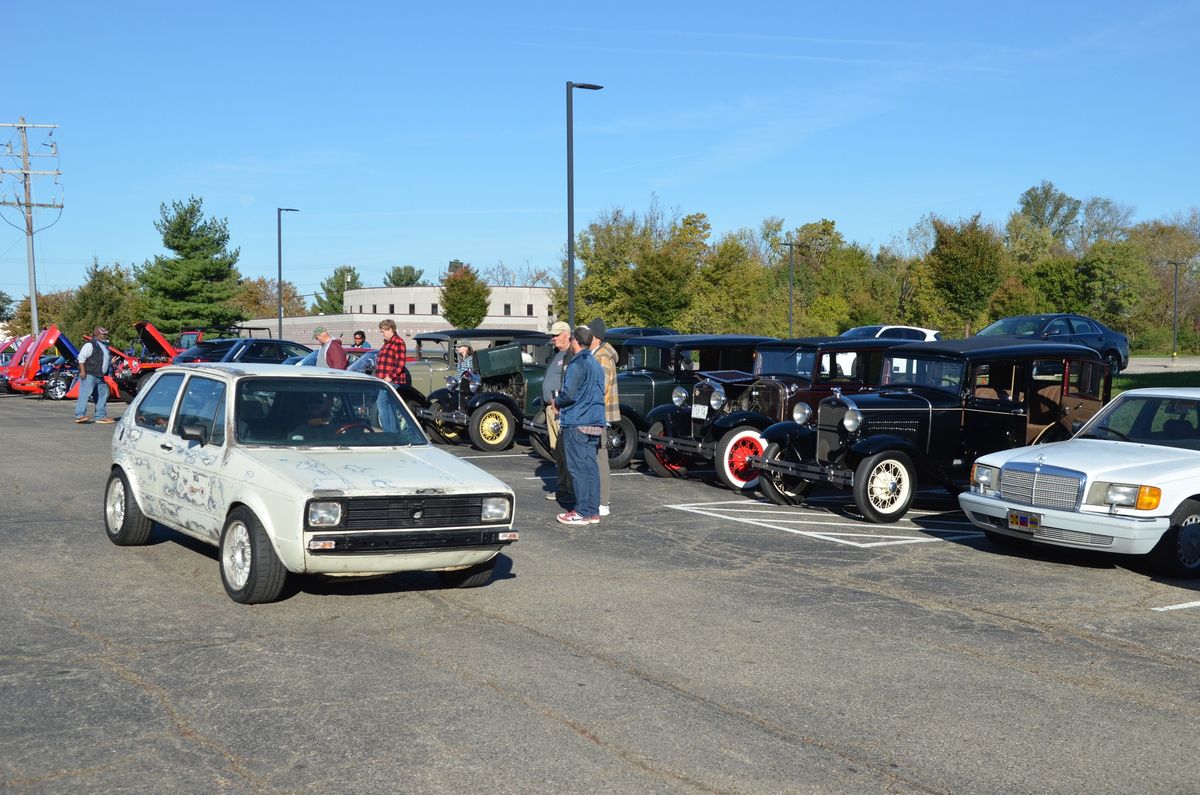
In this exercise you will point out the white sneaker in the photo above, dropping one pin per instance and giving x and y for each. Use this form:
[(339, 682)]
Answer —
[(604, 510)]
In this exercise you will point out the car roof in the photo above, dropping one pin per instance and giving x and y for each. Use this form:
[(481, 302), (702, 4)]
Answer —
[(233, 370), (1190, 392), (699, 340), (825, 343), (994, 346)]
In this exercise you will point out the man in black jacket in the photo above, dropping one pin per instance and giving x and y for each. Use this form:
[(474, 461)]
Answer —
[(94, 363)]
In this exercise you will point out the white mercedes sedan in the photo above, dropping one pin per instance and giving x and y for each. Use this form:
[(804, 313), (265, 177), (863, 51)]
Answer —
[(1128, 481), (291, 471)]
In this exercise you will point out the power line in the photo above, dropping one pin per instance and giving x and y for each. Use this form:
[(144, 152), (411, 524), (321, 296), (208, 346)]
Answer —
[(26, 203)]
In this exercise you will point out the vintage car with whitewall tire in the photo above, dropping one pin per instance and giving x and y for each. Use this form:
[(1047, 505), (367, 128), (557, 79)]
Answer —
[(940, 406), (286, 472), (488, 403), (721, 418), (1128, 482)]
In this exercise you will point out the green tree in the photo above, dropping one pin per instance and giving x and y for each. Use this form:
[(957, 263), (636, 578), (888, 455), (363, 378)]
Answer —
[(109, 298), (259, 298), (1058, 284), (331, 300), (1028, 242), (464, 298), (1114, 276), (967, 263), (728, 292), (195, 286), (1048, 207), (1101, 220), (6, 307), (52, 308), (403, 276)]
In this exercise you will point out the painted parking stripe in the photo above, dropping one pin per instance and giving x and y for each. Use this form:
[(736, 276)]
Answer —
[(1182, 606), (860, 538)]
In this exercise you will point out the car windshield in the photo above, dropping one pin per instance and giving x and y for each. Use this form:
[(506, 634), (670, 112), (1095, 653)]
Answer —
[(916, 371), (322, 412), (797, 362), (1148, 419), (862, 332), (1012, 327), (206, 351)]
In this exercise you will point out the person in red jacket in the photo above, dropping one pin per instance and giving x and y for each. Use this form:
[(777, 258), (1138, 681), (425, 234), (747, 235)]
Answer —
[(331, 353)]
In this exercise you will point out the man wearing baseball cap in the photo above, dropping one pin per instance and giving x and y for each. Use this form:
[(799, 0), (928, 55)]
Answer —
[(560, 334), (331, 353), (94, 363)]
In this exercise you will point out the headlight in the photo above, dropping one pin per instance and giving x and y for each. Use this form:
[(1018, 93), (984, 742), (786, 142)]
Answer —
[(985, 477), (679, 396), (852, 420), (717, 398), (800, 413), (475, 383), (451, 381), (324, 514), (1144, 498), (495, 509)]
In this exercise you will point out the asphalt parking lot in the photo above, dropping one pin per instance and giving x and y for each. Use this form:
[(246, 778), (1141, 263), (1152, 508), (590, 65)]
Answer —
[(696, 640)]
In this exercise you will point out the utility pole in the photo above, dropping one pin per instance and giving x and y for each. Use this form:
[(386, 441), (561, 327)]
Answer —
[(27, 205)]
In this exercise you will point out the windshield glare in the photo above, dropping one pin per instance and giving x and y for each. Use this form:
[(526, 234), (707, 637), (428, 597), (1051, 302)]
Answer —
[(784, 362), (862, 332), (1012, 327), (296, 412), (1144, 419), (936, 373)]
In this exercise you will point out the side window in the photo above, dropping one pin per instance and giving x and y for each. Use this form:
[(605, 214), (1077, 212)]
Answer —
[(1082, 326), (996, 382), (154, 410), (292, 349), (1087, 378), (1058, 326), (203, 404), (262, 352)]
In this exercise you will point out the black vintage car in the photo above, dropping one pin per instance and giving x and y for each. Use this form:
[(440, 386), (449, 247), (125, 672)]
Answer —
[(940, 406), (723, 416), (491, 400)]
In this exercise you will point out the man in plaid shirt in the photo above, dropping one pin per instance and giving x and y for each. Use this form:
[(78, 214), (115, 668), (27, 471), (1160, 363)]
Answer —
[(389, 365)]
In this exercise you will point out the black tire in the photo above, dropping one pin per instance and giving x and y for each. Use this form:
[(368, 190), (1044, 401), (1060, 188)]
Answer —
[(474, 577), (541, 442), (782, 489), (57, 386), (440, 432), (492, 427), (1006, 541), (250, 570), (884, 485), (124, 521), (622, 443), (1113, 360), (663, 461), (734, 447), (1177, 553)]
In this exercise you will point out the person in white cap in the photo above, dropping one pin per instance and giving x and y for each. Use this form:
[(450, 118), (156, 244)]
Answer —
[(95, 362)]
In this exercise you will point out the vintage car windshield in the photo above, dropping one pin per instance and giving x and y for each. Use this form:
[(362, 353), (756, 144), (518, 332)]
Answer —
[(322, 412), (1148, 419), (796, 362), (917, 371), (1012, 327)]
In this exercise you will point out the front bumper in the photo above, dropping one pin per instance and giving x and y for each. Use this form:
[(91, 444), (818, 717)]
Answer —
[(690, 446), (379, 552), (1127, 535), (442, 416)]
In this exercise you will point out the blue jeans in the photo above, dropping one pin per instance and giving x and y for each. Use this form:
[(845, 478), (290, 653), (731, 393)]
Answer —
[(581, 450), (87, 386), (387, 416)]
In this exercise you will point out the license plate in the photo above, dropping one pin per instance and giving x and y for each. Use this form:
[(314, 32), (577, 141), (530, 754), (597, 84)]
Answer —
[(1024, 522), (700, 412)]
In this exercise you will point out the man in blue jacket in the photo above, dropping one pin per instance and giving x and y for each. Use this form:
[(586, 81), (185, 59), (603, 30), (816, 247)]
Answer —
[(580, 403)]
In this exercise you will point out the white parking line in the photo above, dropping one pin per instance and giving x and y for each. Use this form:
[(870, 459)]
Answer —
[(610, 474), (1182, 606), (861, 539), (498, 455)]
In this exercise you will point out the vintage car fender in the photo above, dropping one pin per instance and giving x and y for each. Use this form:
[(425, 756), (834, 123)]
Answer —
[(884, 443), (479, 398), (672, 417), (639, 422), (441, 396), (278, 507), (788, 432), (729, 421)]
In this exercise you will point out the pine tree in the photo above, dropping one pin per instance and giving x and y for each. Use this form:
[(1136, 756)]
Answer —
[(197, 285), (109, 298), (332, 298)]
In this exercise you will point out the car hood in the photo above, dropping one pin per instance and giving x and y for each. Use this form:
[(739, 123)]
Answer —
[(153, 340), (892, 398), (374, 472), (1105, 460)]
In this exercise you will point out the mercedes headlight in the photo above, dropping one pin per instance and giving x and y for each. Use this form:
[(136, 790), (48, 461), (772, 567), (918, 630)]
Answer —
[(717, 398), (801, 413), (679, 396), (496, 509), (1144, 498), (852, 420), (985, 478), (324, 513)]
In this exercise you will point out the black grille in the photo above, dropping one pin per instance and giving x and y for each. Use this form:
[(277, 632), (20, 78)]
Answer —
[(397, 542), (392, 513), (765, 397), (829, 430)]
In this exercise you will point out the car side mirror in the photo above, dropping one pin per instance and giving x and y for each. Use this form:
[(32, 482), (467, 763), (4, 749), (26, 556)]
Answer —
[(194, 433)]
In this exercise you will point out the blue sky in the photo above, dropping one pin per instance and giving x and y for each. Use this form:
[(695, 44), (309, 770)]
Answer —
[(413, 134)]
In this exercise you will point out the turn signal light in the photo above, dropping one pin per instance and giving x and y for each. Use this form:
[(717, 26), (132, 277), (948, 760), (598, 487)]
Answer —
[(1148, 498)]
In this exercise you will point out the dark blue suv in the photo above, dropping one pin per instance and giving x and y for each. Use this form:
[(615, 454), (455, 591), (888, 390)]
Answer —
[(242, 349)]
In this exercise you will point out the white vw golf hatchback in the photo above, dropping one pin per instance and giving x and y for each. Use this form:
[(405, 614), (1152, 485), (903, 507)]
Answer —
[(316, 471)]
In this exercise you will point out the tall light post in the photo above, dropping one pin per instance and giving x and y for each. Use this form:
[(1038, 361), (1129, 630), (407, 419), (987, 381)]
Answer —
[(791, 280), (1175, 317), (279, 211), (571, 199)]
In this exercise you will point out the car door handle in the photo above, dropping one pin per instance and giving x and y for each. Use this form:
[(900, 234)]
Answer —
[(167, 447)]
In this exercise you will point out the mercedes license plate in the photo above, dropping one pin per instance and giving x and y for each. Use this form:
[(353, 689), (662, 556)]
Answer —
[(699, 412), (1024, 522)]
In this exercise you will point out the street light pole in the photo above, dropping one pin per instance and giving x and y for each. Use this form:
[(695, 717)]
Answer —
[(279, 211), (791, 280), (1175, 318), (571, 199)]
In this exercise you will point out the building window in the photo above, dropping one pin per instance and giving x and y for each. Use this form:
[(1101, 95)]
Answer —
[(508, 309), (374, 311), (529, 309), (433, 309), (360, 309), (412, 309), (391, 309)]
